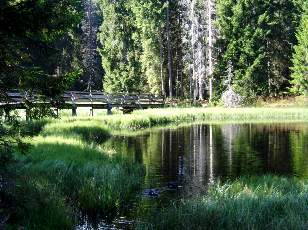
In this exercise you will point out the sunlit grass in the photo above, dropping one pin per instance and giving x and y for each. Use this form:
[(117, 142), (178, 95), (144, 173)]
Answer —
[(97, 182), (67, 160), (143, 119), (266, 202)]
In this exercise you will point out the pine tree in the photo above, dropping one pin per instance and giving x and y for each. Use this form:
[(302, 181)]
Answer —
[(300, 60), (159, 29), (92, 74), (257, 36), (120, 48), (37, 40), (150, 19)]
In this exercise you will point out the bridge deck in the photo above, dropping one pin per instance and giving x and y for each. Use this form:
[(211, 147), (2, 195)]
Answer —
[(95, 100)]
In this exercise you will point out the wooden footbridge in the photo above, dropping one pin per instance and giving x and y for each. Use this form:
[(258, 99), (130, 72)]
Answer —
[(74, 99)]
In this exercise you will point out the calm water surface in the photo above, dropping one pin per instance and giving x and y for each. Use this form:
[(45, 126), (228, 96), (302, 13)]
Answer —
[(182, 162), (200, 154)]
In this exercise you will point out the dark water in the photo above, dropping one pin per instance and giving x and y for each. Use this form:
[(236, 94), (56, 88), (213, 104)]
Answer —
[(197, 155), (182, 162)]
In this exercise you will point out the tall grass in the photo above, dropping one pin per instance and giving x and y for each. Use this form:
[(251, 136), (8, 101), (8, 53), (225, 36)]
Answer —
[(90, 131), (92, 180), (143, 119), (66, 172), (266, 202)]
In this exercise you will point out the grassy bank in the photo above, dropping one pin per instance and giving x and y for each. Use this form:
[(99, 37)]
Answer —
[(68, 171), (66, 174), (266, 202), (144, 119)]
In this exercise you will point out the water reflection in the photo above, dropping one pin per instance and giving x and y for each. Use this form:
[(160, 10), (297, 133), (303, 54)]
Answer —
[(199, 154)]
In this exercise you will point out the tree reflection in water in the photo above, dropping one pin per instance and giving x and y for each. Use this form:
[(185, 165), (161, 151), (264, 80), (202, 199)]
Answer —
[(197, 155)]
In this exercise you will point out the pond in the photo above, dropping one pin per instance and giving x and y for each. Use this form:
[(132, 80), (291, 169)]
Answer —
[(197, 155), (181, 162)]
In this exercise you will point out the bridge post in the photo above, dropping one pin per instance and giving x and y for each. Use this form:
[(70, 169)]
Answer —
[(7, 114), (74, 110), (109, 108), (56, 112), (92, 109), (28, 115)]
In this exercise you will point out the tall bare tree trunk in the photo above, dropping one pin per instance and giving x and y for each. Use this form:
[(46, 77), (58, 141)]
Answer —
[(192, 11), (210, 5), (161, 67), (169, 52)]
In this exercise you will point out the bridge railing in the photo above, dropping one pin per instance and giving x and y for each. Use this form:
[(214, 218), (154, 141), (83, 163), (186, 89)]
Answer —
[(86, 98)]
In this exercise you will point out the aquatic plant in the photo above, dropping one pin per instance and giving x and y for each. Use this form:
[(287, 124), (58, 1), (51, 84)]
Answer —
[(142, 119), (66, 173), (264, 202)]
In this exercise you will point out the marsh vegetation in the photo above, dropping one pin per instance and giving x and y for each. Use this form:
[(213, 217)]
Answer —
[(95, 170)]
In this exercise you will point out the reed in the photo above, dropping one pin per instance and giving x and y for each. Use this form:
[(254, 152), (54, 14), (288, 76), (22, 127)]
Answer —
[(143, 119), (66, 172), (264, 202)]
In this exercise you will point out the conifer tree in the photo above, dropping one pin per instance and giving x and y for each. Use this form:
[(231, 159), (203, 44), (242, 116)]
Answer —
[(120, 48), (300, 60), (257, 36), (150, 21)]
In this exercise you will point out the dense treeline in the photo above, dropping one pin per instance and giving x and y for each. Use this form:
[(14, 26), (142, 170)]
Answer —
[(49, 46), (182, 49), (164, 47), (37, 44)]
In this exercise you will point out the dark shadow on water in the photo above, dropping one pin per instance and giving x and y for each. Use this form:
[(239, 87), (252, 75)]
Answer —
[(201, 154)]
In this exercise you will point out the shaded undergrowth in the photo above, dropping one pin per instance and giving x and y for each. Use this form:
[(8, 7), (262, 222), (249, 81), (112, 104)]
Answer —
[(265, 202), (65, 174)]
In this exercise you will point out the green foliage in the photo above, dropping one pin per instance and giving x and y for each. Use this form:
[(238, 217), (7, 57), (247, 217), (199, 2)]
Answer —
[(247, 203), (300, 60), (150, 19), (257, 37), (63, 174), (34, 43), (134, 37), (120, 48), (140, 44)]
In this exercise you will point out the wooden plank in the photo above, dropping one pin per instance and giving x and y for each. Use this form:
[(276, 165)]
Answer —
[(87, 99)]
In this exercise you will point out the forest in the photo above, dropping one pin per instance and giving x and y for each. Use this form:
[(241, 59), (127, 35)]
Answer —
[(177, 49), (206, 124)]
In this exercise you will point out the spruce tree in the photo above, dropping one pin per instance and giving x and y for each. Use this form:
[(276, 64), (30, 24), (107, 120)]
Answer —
[(120, 48), (257, 37), (300, 60), (150, 18)]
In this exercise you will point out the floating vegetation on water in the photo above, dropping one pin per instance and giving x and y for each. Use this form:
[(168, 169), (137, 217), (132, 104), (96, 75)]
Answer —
[(156, 192)]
